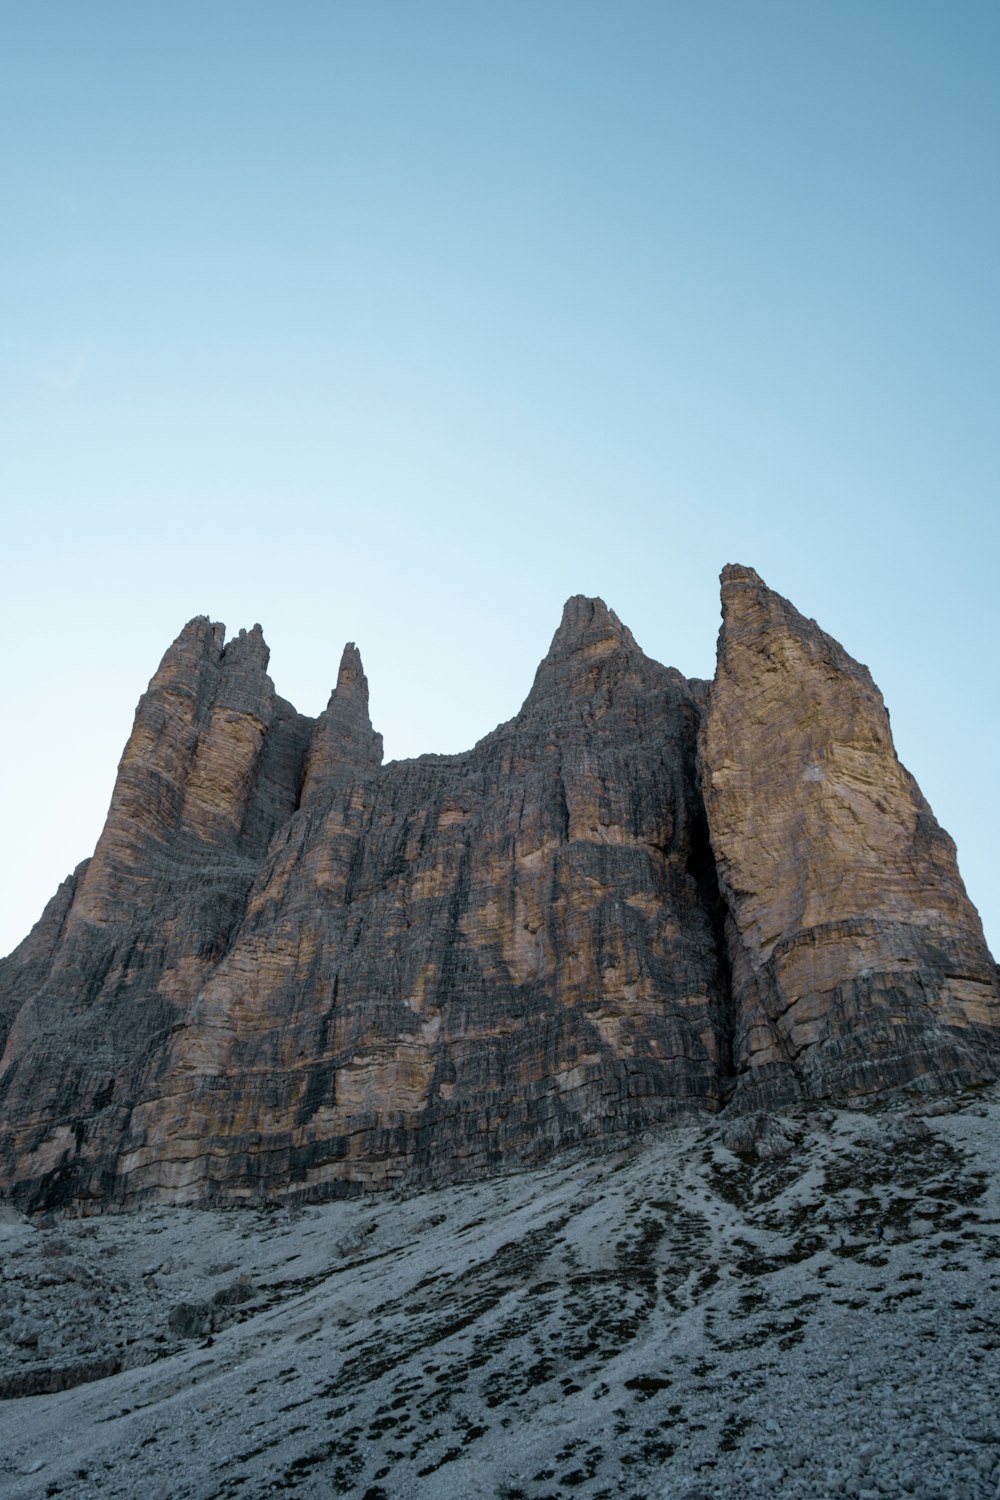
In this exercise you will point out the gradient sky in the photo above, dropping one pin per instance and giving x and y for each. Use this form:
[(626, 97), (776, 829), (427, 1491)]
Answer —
[(400, 323)]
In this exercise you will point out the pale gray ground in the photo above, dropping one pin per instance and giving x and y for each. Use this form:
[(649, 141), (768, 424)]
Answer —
[(671, 1321)]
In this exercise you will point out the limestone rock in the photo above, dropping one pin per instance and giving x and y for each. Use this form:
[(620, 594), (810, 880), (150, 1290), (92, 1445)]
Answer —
[(460, 960), (858, 961), (289, 969), (343, 741), (212, 767)]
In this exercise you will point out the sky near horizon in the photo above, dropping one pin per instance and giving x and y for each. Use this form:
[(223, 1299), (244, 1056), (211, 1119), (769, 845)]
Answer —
[(401, 323)]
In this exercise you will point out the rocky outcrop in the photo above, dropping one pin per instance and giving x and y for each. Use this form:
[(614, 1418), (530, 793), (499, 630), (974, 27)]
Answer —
[(212, 768), (343, 742), (858, 961), (289, 969), (462, 959)]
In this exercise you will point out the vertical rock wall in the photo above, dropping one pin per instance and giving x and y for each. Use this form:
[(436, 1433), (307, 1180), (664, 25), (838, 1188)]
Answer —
[(212, 767), (460, 959), (858, 960), (290, 969)]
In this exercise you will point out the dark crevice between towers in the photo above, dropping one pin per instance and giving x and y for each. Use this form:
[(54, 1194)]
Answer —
[(701, 867)]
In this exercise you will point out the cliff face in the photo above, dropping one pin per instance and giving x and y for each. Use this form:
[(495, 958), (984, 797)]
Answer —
[(858, 961), (290, 969), (212, 768)]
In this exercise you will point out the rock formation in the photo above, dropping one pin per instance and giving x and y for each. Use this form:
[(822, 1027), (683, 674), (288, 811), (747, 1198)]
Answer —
[(858, 961), (288, 969)]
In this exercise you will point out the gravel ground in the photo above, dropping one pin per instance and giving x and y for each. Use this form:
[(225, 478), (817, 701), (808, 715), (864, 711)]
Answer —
[(815, 1315)]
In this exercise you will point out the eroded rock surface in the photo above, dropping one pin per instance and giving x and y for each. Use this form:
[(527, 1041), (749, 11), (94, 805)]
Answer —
[(212, 768), (289, 969), (858, 961)]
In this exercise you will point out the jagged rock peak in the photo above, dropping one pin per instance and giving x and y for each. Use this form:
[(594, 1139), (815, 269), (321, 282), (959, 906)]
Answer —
[(750, 609), (204, 634), (201, 662), (244, 684), (351, 680), (590, 642), (741, 573), (287, 970), (343, 740), (858, 961), (587, 623), (746, 598), (196, 648), (248, 645), (198, 628)]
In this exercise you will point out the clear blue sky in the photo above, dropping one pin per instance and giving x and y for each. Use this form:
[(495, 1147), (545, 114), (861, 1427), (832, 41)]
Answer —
[(401, 322)]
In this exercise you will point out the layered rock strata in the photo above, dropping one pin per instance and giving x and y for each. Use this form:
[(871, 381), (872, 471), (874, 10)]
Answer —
[(289, 969), (858, 961)]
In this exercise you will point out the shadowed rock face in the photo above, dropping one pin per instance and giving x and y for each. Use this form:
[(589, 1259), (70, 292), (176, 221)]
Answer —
[(212, 768), (290, 969)]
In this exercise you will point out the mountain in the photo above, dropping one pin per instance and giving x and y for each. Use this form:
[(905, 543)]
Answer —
[(289, 970)]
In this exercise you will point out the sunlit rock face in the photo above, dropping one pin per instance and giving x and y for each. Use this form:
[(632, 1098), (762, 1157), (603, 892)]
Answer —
[(289, 969), (858, 961)]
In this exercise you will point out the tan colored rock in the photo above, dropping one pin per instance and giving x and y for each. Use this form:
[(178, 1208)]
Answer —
[(858, 960), (343, 741), (290, 969), (212, 767), (437, 965)]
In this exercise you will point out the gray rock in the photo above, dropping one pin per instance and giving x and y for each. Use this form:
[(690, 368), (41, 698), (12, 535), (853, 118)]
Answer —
[(190, 1320), (759, 1133), (291, 970)]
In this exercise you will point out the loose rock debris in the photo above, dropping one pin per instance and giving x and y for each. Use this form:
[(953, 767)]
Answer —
[(675, 1320)]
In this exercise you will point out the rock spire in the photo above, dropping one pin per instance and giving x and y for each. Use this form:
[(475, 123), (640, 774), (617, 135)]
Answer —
[(289, 969), (343, 742)]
